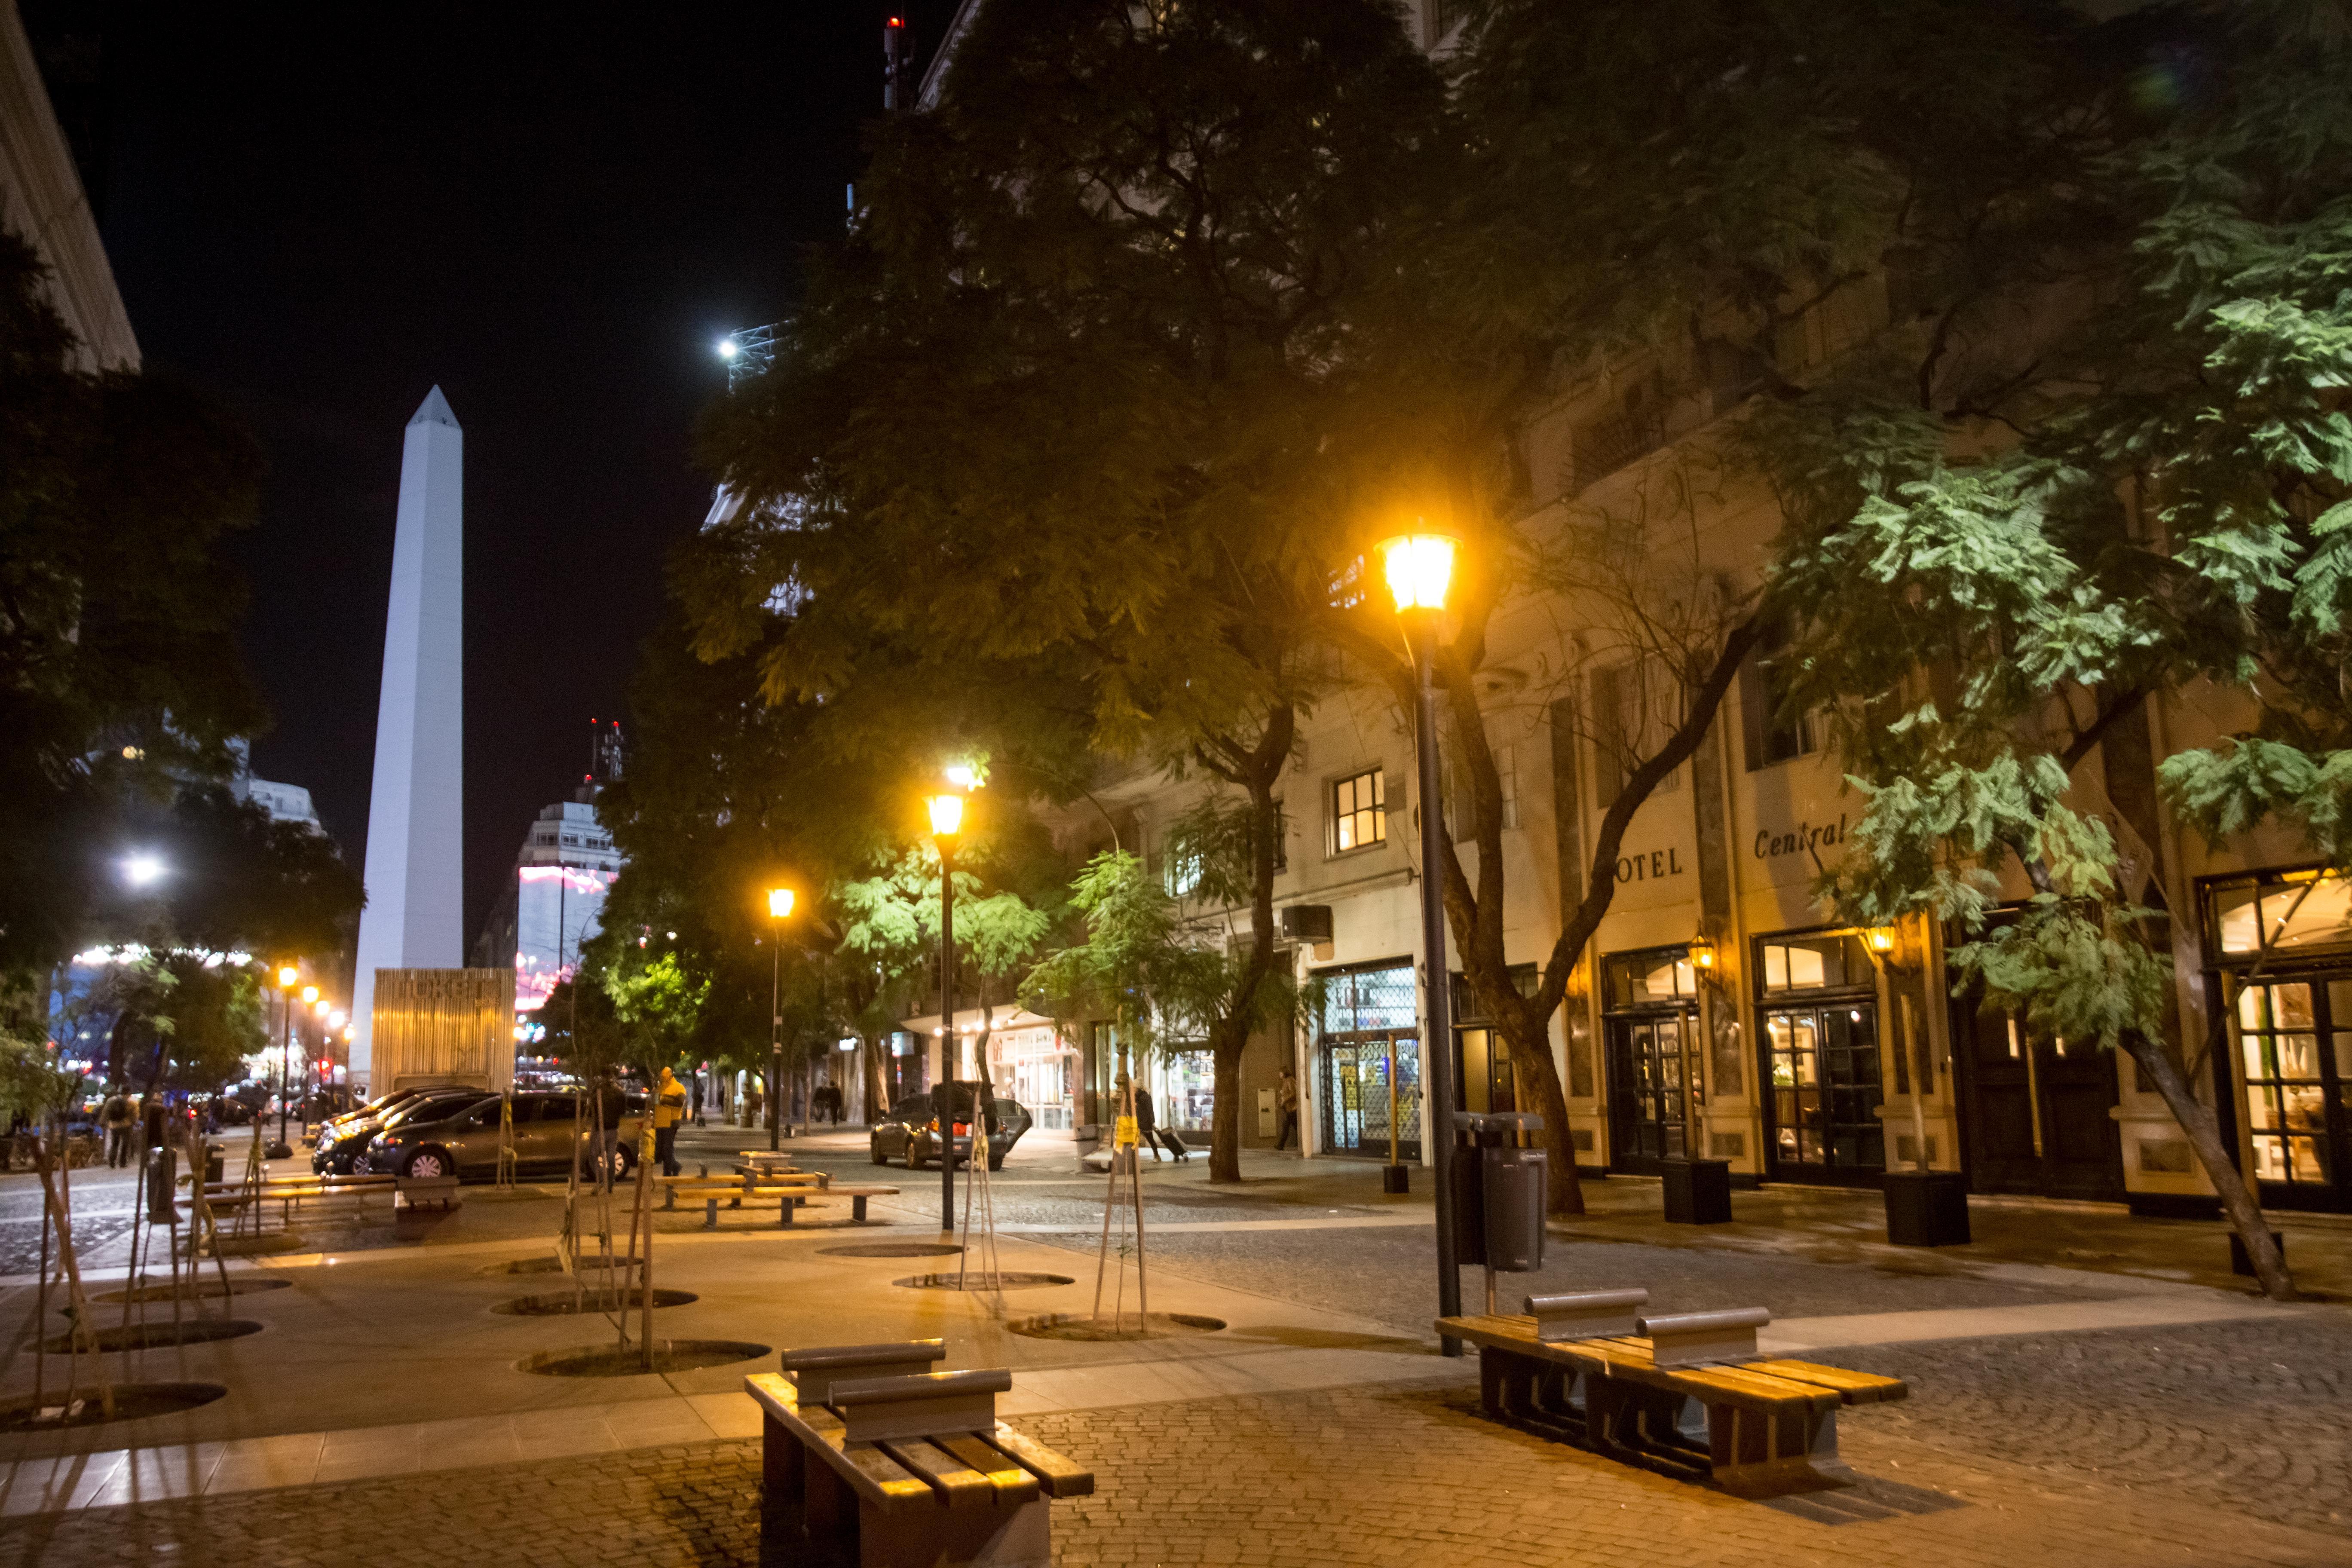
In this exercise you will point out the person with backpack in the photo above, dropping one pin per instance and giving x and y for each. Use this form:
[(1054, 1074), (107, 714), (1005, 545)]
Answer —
[(117, 1119)]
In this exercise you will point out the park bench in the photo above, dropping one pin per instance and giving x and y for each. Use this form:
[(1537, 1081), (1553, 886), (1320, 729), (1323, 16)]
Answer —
[(1687, 1394), (904, 1467), (799, 1189), (291, 1192)]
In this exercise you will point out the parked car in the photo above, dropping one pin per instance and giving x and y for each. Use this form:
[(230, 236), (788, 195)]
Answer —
[(911, 1131), (462, 1138), (342, 1144)]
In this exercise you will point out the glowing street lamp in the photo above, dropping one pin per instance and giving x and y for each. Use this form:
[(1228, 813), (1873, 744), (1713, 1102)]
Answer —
[(1420, 568), (287, 977), (780, 906), (947, 821), (143, 869)]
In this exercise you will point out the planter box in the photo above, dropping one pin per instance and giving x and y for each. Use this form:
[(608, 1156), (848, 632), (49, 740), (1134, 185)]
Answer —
[(1698, 1192), (1927, 1208)]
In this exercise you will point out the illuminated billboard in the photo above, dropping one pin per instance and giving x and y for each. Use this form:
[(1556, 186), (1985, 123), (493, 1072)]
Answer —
[(557, 908)]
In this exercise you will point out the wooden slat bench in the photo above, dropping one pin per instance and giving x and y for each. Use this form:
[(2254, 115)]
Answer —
[(1754, 1426), (813, 1192), (290, 1192), (904, 1468)]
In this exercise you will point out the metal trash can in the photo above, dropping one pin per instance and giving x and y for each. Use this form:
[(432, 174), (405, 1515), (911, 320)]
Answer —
[(1498, 1185), (215, 1156)]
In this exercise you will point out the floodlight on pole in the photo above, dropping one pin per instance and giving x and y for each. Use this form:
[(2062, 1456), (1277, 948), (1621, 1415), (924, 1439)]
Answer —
[(728, 348)]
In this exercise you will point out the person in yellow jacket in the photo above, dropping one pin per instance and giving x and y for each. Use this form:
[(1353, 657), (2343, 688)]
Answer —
[(669, 1110)]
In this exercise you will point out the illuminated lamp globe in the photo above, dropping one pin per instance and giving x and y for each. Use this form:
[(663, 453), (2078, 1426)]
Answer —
[(779, 903), (947, 815), (287, 974), (309, 994), (1420, 568), (728, 349)]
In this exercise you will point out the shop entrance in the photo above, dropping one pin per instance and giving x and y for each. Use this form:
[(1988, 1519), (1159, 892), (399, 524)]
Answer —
[(1369, 1013), (2037, 1111), (1818, 1017), (1652, 1019), (1356, 1068)]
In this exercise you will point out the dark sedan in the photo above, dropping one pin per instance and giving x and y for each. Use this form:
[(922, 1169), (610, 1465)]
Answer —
[(911, 1131), (462, 1137), (342, 1144)]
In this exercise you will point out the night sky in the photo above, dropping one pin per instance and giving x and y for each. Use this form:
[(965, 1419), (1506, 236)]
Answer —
[(550, 212)]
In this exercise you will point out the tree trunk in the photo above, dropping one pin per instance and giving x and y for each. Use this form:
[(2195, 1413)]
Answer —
[(1563, 1192), (2204, 1130), (1225, 1114)]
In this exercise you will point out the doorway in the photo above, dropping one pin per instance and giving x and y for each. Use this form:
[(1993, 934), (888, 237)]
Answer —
[(1650, 1020), (1646, 1111), (1357, 1102), (2037, 1110), (2294, 1037)]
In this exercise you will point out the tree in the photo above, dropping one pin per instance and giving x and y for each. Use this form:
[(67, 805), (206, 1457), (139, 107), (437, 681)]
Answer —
[(1048, 420), (1997, 572), (117, 608), (1644, 198)]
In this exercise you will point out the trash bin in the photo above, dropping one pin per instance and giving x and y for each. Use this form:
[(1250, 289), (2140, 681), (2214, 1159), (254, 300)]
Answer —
[(215, 1157), (1498, 1186)]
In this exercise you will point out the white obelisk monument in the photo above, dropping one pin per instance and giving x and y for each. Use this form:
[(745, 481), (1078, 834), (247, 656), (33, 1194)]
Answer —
[(414, 913)]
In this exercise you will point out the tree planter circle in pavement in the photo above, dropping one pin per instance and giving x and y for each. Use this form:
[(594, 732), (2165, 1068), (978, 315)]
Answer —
[(552, 1265), (153, 1334), (1082, 1326), (210, 1288), (132, 1402), (669, 1355), (893, 1249), (565, 1303), (979, 1280)]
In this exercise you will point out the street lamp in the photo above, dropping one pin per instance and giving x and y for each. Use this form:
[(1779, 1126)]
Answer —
[(286, 975), (1420, 567), (780, 904), (947, 821), (143, 869)]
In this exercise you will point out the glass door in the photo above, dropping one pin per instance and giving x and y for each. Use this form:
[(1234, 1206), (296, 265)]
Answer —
[(1646, 1112), (1355, 1097), (2295, 1038), (1823, 1065)]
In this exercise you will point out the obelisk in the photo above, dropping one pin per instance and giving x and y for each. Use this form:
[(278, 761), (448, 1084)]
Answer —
[(414, 913)]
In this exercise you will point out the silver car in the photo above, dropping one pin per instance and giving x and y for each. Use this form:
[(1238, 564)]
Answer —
[(462, 1138)]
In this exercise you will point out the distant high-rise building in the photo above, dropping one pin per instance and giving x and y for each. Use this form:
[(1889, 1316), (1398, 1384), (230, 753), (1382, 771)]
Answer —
[(555, 899)]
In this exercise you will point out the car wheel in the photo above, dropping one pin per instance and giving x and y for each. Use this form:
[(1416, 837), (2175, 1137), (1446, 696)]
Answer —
[(426, 1164), (997, 1164), (874, 1151), (914, 1162)]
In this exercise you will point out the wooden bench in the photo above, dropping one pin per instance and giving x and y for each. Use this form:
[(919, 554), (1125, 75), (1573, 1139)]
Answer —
[(790, 1195), (905, 1469), (290, 1192), (1687, 1394)]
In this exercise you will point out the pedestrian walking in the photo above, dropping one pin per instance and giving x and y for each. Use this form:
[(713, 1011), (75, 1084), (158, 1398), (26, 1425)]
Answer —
[(1285, 1099), (115, 1117), (1148, 1132), (697, 1100), (669, 1110)]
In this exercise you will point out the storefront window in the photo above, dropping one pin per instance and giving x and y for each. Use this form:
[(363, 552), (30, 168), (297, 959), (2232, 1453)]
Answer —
[(1183, 1090), (1371, 1019), (1818, 1012), (2302, 910)]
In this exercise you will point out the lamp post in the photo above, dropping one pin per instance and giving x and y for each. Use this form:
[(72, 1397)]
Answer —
[(1419, 567), (947, 821), (780, 904), (286, 975)]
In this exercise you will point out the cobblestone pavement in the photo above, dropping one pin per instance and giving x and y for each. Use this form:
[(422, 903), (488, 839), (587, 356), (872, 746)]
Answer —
[(2253, 1417), (1331, 1479), (1388, 1275)]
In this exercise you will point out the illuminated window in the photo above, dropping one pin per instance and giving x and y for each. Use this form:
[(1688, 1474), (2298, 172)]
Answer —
[(1360, 812)]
